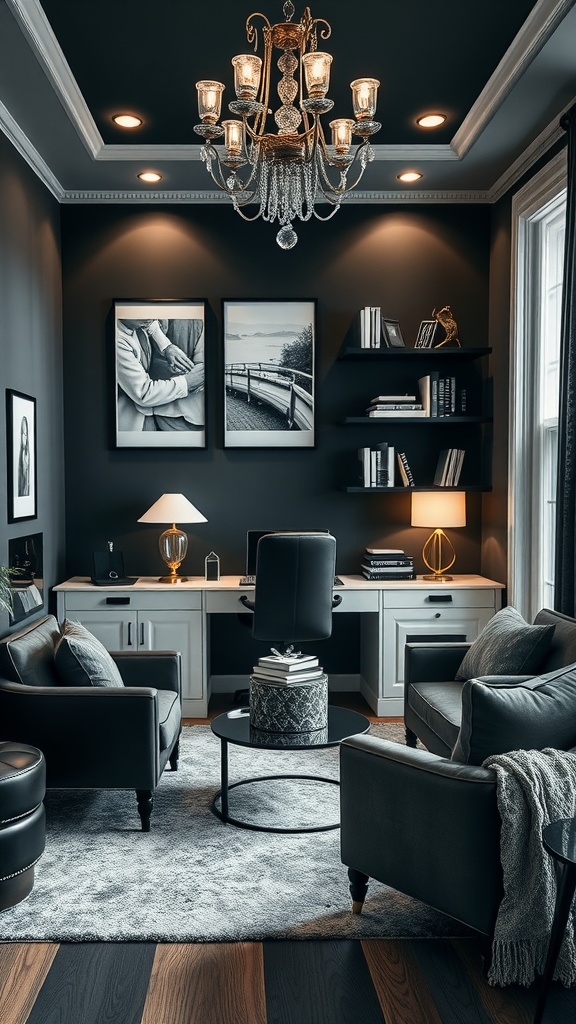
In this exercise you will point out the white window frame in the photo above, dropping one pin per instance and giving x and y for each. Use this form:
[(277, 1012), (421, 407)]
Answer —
[(529, 206)]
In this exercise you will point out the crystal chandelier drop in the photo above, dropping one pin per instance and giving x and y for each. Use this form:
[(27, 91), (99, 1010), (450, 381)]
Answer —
[(286, 172)]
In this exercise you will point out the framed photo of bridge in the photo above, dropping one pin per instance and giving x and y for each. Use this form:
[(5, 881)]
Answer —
[(269, 373)]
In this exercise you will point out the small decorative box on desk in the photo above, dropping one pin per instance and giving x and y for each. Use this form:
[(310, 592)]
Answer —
[(288, 694)]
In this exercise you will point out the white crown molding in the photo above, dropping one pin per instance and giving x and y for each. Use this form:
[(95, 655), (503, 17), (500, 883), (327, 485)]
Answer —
[(22, 144), (538, 148), (189, 153), (35, 25), (536, 30), (213, 198)]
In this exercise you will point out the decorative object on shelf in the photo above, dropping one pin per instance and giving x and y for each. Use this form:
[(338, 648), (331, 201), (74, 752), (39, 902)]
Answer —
[(212, 567), (269, 373), (427, 332), (445, 317), (21, 456), (285, 171), (159, 387), (391, 333), (173, 543), (430, 508), (25, 555)]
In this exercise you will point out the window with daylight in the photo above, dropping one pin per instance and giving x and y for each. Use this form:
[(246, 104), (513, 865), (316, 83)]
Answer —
[(538, 220)]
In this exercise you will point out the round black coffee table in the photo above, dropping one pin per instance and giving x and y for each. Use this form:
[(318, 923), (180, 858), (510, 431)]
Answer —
[(234, 727), (559, 839)]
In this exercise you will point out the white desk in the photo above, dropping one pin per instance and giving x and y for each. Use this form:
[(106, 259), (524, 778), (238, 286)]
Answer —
[(157, 616)]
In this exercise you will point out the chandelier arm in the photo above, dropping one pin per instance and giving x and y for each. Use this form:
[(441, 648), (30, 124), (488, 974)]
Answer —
[(335, 205), (350, 186)]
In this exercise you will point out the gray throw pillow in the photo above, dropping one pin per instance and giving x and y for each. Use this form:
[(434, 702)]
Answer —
[(537, 713), (507, 645), (81, 660)]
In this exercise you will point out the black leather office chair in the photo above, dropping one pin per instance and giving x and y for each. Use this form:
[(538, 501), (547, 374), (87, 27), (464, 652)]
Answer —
[(293, 597)]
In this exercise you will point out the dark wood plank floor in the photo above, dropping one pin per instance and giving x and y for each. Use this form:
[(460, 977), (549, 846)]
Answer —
[(420, 981)]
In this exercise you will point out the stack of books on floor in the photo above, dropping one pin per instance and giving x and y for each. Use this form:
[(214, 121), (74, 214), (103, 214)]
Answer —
[(394, 405), (387, 564), (449, 467), (277, 670)]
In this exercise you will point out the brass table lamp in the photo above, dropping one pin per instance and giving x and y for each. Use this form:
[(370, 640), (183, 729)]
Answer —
[(437, 510), (173, 543)]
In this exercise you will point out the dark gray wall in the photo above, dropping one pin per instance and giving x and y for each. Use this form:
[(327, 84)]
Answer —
[(407, 260), (31, 345)]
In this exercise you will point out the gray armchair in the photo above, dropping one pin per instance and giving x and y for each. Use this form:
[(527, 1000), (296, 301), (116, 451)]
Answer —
[(92, 737)]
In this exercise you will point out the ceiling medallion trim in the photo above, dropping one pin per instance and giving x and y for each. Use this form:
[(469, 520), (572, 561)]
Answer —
[(535, 32), (147, 154)]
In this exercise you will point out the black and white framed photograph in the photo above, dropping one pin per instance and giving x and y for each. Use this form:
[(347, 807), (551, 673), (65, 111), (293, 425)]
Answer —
[(21, 453), (392, 333), (159, 387), (269, 373), (25, 559)]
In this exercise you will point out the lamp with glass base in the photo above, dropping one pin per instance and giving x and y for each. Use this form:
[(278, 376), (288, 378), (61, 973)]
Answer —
[(437, 509), (173, 543)]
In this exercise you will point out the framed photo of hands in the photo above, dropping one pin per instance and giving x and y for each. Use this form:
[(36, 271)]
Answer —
[(159, 380)]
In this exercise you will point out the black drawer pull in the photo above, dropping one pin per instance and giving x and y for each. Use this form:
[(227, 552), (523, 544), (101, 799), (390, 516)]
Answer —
[(439, 598), (117, 600)]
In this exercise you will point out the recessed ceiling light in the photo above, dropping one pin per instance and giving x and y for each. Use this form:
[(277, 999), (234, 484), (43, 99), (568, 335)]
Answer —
[(431, 120), (151, 176), (127, 120), (409, 176)]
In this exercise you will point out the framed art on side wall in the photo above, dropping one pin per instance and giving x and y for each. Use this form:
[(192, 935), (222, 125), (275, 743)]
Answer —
[(159, 386), (21, 452), (269, 373)]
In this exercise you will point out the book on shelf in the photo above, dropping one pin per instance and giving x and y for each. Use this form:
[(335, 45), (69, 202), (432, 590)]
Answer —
[(393, 398), (405, 471), (374, 561), (385, 551), (428, 386), (377, 465), (410, 575), (387, 570), (382, 411), (449, 467), (278, 663)]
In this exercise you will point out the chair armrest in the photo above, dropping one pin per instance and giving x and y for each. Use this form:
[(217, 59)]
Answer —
[(432, 663), (90, 736), (424, 825), (159, 669)]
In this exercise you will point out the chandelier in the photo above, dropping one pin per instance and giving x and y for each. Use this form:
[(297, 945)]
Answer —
[(286, 172)]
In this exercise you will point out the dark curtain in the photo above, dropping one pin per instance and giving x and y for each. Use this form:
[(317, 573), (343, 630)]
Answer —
[(565, 586)]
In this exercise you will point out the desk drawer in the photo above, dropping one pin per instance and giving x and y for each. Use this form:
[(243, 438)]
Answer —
[(439, 597), (106, 600), (226, 601)]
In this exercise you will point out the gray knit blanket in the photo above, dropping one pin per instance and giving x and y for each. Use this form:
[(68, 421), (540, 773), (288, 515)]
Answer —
[(534, 787)]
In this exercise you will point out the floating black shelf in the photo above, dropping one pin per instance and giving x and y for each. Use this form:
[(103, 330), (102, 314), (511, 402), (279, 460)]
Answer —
[(354, 352), (404, 490), (412, 420)]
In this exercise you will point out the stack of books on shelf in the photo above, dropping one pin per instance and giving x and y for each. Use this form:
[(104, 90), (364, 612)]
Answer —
[(377, 465), (395, 405), (292, 670), (449, 467), (387, 564), (441, 396)]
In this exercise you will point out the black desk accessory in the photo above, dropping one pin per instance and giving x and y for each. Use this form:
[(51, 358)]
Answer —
[(109, 569)]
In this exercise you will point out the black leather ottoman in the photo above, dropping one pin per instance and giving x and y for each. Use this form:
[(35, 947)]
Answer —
[(22, 819)]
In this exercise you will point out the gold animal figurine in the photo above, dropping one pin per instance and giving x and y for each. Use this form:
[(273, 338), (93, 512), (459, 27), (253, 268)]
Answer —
[(445, 318)]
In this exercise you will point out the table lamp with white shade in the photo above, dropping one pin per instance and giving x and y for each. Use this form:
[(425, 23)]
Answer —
[(173, 543), (438, 509)]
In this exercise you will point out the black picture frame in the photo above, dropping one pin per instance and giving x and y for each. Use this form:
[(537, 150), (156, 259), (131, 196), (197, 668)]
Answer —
[(392, 333), (21, 433), (158, 403), (26, 558), (269, 373)]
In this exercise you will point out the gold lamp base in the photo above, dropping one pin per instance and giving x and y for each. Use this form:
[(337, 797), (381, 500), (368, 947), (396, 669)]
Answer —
[(436, 551), (173, 579)]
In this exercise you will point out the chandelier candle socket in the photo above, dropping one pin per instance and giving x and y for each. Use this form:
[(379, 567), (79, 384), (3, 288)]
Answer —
[(173, 543), (287, 171)]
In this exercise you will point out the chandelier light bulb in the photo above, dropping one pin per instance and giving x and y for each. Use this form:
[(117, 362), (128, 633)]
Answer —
[(364, 98), (233, 137), (247, 68), (317, 73), (209, 101), (342, 134)]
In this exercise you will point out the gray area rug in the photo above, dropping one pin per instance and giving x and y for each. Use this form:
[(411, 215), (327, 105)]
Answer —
[(194, 879)]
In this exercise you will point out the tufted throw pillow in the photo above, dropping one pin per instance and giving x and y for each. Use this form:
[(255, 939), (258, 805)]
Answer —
[(537, 713), (507, 645), (81, 660)]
